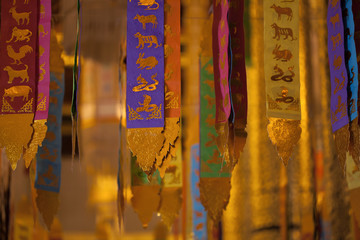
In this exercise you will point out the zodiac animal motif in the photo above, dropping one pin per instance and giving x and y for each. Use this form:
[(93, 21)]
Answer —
[(283, 97), (148, 63), (152, 39), (47, 155), (280, 74), (20, 35), (146, 19), (17, 56), (168, 31), (18, 91), (339, 85), (20, 18), (149, 4), (340, 108), (144, 85), (334, 3), (23, 74), (167, 50), (42, 72), (286, 32), (285, 55), (336, 40), (337, 62), (41, 50), (280, 10), (42, 11), (146, 106), (42, 30), (335, 19), (210, 101)]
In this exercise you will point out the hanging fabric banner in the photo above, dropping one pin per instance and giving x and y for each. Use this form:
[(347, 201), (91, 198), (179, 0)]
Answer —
[(145, 80), (18, 46), (281, 32), (238, 76), (355, 9), (172, 83), (145, 192), (220, 45), (42, 103), (352, 74), (199, 215), (48, 158), (339, 80)]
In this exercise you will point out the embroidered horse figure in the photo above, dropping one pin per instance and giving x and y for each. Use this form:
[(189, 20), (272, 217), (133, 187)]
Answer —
[(149, 4), (20, 35), (280, 10), (146, 19), (152, 39), (286, 32), (20, 17)]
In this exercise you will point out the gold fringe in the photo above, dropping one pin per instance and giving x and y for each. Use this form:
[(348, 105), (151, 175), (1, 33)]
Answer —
[(222, 141), (215, 195), (145, 144), (15, 135), (284, 134), (342, 142), (48, 205), (171, 133), (170, 205), (145, 202), (354, 147), (40, 130)]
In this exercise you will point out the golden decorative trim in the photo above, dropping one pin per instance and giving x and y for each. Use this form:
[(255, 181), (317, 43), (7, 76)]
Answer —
[(284, 134), (15, 134), (145, 144), (145, 201), (40, 130), (170, 205), (28, 107), (48, 205), (215, 195), (342, 142), (354, 147), (171, 133)]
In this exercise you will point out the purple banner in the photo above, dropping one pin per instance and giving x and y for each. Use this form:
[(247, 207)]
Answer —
[(338, 75), (145, 64)]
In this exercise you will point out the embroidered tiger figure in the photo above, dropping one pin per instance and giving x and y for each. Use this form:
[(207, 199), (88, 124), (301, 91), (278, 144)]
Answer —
[(152, 39), (282, 31)]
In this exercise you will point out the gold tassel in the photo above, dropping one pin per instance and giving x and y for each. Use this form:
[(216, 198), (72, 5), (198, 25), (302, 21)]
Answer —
[(284, 134), (215, 195), (145, 144), (15, 134), (40, 130), (354, 147), (342, 141)]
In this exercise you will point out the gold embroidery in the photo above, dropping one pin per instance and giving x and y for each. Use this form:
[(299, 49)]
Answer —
[(210, 69), (294, 106), (146, 19), (18, 91), (134, 115), (156, 114), (222, 25), (168, 50), (6, 107), (223, 61), (210, 83), (148, 63), (339, 85), (335, 19), (279, 10), (272, 104), (283, 97), (149, 4), (173, 103), (23, 74), (337, 62), (41, 105), (42, 11), (146, 106), (20, 35), (41, 50), (283, 55), (210, 101), (169, 72), (47, 155), (280, 74), (20, 17), (223, 41), (286, 32), (212, 140), (167, 31), (152, 39), (144, 85), (340, 108), (42, 30), (17, 56), (42, 73), (27, 108), (50, 176), (336, 40), (210, 120), (334, 3), (167, 8)]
